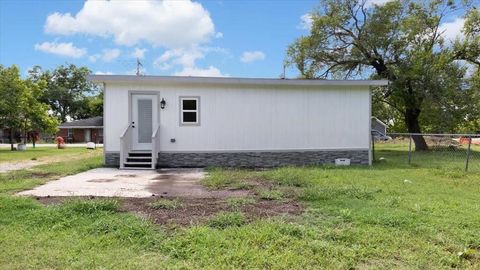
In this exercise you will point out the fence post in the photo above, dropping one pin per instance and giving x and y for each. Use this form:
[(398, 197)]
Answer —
[(410, 150), (468, 153)]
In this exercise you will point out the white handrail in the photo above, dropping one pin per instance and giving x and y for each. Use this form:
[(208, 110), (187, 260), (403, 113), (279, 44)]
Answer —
[(155, 147), (125, 140)]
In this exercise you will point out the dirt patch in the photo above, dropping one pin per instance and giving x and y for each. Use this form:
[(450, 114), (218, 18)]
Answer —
[(196, 211), (41, 174)]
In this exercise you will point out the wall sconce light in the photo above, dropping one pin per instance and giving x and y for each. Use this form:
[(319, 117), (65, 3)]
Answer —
[(162, 104)]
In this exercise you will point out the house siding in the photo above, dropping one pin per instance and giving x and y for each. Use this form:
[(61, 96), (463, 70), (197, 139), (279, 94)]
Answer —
[(258, 119), (250, 126)]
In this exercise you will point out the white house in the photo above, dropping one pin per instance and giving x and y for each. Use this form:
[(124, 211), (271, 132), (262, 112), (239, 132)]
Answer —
[(201, 121), (378, 126)]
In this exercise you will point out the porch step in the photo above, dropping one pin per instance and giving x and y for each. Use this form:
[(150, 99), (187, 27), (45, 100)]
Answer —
[(146, 165), (140, 154), (138, 160)]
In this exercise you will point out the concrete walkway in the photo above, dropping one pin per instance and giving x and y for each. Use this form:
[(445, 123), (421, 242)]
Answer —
[(110, 182)]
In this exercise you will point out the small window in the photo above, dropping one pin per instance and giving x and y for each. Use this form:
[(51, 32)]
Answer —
[(69, 133), (189, 111)]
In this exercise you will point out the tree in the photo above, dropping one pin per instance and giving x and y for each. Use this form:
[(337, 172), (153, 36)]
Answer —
[(67, 90), (400, 41), (20, 109), (92, 106)]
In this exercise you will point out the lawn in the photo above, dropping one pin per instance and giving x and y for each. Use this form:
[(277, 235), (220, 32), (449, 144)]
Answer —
[(393, 215), (39, 153)]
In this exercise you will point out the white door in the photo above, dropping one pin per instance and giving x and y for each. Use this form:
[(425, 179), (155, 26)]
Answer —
[(88, 135), (144, 121)]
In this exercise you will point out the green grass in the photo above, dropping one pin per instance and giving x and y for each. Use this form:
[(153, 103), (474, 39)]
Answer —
[(355, 217), (165, 204), (41, 153), (224, 220), (28, 178), (237, 202), (270, 195)]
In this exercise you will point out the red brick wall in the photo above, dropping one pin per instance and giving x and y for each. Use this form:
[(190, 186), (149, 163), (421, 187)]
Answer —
[(79, 135), (62, 133)]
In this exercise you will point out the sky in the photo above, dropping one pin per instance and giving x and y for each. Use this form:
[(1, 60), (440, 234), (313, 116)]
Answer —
[(191, 38)]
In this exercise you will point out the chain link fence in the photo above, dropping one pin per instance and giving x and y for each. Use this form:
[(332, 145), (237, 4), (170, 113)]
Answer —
[(447, 151)]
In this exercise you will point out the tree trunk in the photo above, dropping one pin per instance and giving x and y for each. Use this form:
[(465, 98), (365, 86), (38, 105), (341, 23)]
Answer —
[(411, 120), (11, 139)]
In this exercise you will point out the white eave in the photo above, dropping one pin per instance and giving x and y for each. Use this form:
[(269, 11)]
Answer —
[(230, 81), (79, 127)]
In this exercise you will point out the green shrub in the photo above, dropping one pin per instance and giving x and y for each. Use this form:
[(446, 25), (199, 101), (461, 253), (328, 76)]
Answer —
[(165, 204), (223, 220)]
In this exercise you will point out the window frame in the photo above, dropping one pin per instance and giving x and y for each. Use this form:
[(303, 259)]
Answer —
[(69, 132), (197, 110)]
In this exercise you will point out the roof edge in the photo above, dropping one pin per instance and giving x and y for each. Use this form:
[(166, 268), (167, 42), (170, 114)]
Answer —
[(232, 80), (79, 127)]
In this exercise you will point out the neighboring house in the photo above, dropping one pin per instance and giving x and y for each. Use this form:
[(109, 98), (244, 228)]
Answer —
[(5, 136), (379, 130), (379, 126), (239, 122), (84, 130)]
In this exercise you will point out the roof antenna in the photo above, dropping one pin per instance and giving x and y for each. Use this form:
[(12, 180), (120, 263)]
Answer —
[(138, 67), (282, 76)]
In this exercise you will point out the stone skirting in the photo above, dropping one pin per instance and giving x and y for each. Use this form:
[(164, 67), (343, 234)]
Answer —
[(259, 159), (249, 159), (112, 159)]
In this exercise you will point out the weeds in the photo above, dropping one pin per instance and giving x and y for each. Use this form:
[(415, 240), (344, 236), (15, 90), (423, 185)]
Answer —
[(238, 202), (165, 204), (223, 220), (269, 194)]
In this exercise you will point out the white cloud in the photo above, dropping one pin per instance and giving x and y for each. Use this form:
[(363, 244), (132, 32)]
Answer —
[(94, 58), (107, 55), (186, 59), (170, 24), (103, 73), (182, 57), (139, 53), (248, 57), (62, 49), (453, 29), (371, 3), (110, 54), (219, 35), (306, 21), (211, 71)]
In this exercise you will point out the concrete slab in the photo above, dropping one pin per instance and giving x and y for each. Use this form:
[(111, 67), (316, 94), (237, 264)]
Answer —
[(111, 182)]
